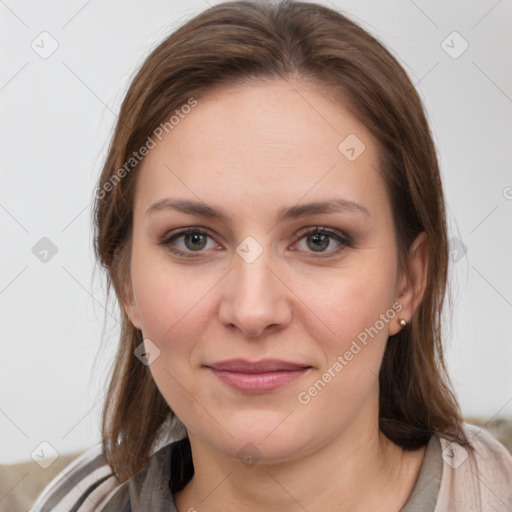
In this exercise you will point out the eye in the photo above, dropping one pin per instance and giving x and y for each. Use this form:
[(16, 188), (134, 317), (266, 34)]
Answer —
[(318, 239), (192, 242), (187, 241)]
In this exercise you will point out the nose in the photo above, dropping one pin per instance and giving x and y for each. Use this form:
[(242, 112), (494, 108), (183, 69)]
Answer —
[(255, 301)]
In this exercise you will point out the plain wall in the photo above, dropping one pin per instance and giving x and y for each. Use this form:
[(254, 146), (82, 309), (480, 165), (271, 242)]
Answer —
[(56, 116)]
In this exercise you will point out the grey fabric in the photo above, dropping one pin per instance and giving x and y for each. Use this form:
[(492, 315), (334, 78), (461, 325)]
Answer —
[(150, 489), (426, 490), (120, 502)]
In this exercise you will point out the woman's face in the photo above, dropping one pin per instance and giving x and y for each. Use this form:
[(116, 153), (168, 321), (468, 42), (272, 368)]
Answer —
[(252, 282)]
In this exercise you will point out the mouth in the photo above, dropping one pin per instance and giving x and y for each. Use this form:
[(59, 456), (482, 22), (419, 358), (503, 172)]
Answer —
[(257, 377)]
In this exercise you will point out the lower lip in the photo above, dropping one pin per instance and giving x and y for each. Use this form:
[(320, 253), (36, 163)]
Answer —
[(258, 382)]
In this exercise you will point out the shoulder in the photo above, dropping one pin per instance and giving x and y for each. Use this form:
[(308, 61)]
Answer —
[(478, 477), (490, 455), (87, 484), (481, 438)]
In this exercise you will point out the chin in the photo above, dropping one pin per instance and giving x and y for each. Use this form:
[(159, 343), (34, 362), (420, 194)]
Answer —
[(262, 440)]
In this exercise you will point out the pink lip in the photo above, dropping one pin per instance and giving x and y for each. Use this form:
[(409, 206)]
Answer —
[(263, 366), (259, 376)]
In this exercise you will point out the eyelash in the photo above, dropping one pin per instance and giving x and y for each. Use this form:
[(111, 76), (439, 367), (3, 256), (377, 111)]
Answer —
[(344, 240)]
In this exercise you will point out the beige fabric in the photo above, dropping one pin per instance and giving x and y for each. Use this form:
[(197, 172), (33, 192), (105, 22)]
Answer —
[(21, 484), (475, 481)]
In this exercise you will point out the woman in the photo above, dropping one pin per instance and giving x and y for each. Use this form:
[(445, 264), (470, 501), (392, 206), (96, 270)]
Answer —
[(271, 217)]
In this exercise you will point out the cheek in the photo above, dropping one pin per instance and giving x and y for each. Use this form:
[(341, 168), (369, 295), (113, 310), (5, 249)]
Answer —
[(353, 346), (347, 305), (172, 309), (176, 304), (352, 350), (165, 294), (170, 304)]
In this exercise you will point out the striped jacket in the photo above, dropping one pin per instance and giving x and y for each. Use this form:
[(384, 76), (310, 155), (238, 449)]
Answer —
[(88, 483)]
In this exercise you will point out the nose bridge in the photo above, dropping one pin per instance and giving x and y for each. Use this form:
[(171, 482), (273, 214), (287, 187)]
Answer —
[(253, 298), (253, 280)]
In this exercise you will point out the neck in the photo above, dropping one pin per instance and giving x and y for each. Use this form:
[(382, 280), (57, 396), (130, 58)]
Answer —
[(358, 470)]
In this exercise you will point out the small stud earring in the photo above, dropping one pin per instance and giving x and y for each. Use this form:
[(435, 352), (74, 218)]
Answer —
[(403, 322)]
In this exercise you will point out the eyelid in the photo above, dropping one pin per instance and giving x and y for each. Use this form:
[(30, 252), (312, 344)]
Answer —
[(311, 230), (172, 235), (343, 239)]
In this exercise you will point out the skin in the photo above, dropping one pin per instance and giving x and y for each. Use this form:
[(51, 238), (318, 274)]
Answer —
[(252, 150)]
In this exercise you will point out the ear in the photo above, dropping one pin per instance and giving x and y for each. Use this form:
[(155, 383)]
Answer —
[(412, 282)]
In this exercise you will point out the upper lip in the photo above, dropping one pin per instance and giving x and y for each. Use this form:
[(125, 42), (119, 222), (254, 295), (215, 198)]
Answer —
[(263, 366)]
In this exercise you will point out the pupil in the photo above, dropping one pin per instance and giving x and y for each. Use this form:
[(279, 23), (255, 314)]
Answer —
[(323, 239), (198, 241), (195, 238)]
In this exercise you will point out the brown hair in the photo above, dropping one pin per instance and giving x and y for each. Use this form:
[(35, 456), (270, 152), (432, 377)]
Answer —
[(237, 42)]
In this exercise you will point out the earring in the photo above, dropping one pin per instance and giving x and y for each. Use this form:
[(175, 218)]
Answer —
[(403, 322)]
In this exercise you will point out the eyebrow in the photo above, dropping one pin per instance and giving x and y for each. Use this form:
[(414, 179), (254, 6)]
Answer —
[(293, 212)]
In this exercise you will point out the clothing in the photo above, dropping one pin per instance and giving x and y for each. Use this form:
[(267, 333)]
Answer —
[(424, 496), (452, 479)]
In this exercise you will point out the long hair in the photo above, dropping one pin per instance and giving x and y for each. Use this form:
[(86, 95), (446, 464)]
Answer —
[(237, 43)]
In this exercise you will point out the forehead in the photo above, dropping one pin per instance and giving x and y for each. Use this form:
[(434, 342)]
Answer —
[(263, 145)]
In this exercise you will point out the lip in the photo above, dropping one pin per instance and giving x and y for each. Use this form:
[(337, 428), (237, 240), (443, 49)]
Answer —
[(262, 366), (258, 376)]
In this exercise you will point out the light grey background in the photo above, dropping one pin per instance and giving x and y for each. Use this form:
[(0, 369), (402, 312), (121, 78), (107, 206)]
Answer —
[(57, 114)]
